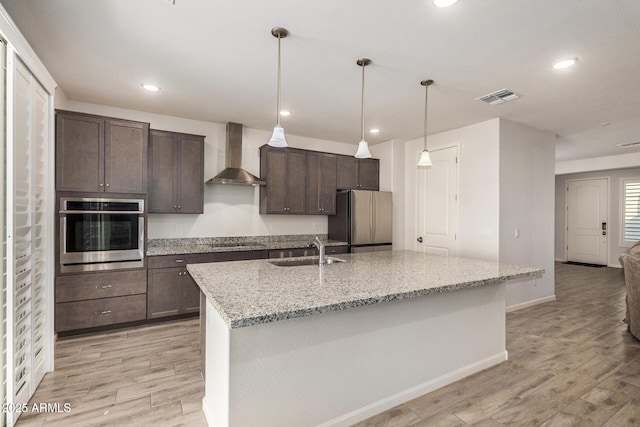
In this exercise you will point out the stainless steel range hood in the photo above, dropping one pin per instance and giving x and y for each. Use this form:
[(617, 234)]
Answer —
[(233, 174)]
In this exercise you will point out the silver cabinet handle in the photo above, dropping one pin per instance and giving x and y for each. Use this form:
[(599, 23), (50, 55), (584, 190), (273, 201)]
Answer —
[(107, 185), (179, 260), (104, 286), (101, 185), (179, 207), (102, 312)]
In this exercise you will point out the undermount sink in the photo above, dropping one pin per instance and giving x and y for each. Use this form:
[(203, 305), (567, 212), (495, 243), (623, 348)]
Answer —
[(294, 262)]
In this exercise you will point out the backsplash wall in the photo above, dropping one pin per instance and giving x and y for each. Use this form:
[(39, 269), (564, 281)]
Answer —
[(228, 210)]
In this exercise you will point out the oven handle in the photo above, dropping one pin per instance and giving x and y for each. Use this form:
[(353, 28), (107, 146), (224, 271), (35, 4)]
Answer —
[(101, 212)]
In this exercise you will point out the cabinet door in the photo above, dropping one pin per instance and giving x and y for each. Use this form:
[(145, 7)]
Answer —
[(328, 184), (165, 287), (125, 156), (191, 173), (79, 153), (273, 170), (162, 176), (368, 174), (346, 173), (191, 295), (296, 177), (314, 180)]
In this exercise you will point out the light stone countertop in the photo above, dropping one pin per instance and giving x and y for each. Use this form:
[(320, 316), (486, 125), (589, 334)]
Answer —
[(182, 246), (247, 293)]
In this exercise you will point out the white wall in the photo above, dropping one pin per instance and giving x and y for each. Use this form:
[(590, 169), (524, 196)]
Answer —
[(479, 183), (620, 161), (228, 210), (615, 215), (527, 187), (506, 182)]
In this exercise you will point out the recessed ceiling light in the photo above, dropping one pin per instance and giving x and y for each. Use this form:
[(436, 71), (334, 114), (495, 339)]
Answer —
[(374, 130), (285, 113), (150, 87), (444, 3), (565, 63)]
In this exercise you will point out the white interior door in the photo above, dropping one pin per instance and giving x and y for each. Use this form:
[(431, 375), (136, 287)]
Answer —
[(438, 204), (587, 220)]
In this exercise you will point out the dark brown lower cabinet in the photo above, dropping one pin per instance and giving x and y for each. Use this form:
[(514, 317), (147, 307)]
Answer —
[(100, 299), (171, 291)]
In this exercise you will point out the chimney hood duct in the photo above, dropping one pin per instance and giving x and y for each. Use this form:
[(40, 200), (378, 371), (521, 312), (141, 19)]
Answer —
[(233, 173)]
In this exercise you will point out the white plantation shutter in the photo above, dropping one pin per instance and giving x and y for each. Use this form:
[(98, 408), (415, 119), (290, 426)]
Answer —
[(29, 250), (631, 211)]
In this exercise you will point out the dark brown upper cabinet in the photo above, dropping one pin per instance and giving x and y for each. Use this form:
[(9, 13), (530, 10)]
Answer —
[(100, 154), (284, 170), (358, 174), (176, 173), (321, 183)]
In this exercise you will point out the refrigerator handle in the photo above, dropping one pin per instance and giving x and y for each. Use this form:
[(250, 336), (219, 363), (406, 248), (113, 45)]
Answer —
[(374, 200), (371, 206)]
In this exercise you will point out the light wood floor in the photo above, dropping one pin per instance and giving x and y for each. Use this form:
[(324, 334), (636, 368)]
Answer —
[(145, 376), (571, 362)]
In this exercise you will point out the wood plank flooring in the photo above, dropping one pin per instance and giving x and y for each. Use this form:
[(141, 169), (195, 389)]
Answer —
[(132, 377), (571, 362)]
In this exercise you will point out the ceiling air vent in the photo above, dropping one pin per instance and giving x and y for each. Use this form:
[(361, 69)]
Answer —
[(498, 97), (629, 144)]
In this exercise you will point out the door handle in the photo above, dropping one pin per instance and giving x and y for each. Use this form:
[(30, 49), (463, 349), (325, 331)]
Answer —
[(419, 239), (604, 228)]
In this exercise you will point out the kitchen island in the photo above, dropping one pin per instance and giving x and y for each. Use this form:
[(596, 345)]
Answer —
[(335, 344)]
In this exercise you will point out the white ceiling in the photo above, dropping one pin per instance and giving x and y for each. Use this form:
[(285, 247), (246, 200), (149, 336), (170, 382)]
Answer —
[(216, 61)]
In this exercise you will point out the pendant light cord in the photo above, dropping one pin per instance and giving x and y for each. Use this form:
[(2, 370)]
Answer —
[(362, 110), (426, 105), (278, 96)]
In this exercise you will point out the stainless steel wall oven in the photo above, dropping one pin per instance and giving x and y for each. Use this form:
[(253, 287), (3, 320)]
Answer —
[(101, 234)]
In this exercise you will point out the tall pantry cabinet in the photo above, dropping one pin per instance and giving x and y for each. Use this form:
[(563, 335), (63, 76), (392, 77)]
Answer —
[(28, 238)]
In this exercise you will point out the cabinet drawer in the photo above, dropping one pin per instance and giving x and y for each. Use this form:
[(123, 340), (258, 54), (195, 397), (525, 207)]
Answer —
[(100, 312), (167, 261), (333, 250), (238, 255), (100, 285)]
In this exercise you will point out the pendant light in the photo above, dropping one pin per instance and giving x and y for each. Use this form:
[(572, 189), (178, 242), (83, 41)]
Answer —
[(363, 148), (425, 157), (278, 139)]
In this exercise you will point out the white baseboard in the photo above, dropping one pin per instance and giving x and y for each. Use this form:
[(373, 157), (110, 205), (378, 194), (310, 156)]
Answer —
[(615, 265), (206, 409), (382, 405), (560, 260), (530, 303)]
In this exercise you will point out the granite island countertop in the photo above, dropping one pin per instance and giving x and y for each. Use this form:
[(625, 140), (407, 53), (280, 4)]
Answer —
[(198, 245), (247, 293)]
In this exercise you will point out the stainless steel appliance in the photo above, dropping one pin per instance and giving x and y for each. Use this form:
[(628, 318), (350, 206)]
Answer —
[(363, 219), (101, 234)]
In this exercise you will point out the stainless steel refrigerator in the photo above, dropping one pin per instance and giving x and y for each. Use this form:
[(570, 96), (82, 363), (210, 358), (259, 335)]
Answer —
[(363, 219)]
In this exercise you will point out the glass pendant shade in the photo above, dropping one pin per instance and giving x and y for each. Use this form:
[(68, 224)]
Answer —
[(363, 150), (425, 159), (277, 138)]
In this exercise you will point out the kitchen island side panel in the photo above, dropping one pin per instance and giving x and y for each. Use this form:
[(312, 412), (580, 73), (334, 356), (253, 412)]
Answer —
[(341, 367)]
